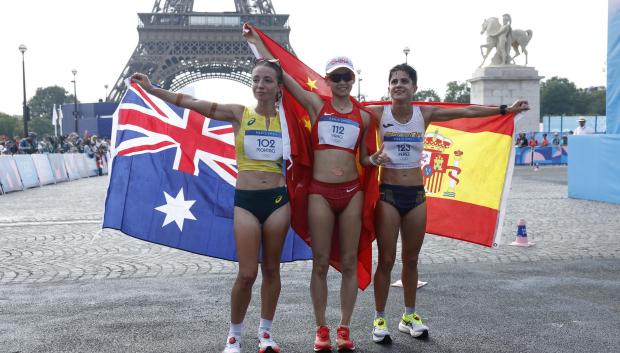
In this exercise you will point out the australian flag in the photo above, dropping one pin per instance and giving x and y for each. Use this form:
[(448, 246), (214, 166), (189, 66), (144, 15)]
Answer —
[(172, 179)]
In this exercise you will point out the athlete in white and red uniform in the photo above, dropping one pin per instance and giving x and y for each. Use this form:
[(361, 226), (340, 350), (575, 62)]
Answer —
[(402, 202)]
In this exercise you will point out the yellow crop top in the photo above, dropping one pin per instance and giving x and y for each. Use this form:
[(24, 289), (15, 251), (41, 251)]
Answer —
[(256, 147)]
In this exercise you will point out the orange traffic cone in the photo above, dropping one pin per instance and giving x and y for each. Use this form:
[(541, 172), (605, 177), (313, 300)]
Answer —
[(521, 239)]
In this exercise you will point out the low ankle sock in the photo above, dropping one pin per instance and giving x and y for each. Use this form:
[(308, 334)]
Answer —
[(235, 329), (409, 310), (265, 324), (379, 314)]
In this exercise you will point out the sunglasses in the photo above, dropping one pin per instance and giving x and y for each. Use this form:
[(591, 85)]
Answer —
[(261, 60), (347, 76)]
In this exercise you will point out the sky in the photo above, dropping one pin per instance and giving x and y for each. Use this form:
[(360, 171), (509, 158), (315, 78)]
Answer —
[(97, 39)]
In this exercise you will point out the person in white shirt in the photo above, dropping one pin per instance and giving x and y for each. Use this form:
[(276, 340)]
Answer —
[(582, 129)]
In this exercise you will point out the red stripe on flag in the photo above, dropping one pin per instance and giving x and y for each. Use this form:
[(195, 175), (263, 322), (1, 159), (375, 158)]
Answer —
[(228, 169), (141, 148), (224, 131), (501, 124), (461, 220), (147, 98)]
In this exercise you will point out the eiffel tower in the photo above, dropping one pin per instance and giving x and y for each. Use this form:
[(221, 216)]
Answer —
[(177, 46)]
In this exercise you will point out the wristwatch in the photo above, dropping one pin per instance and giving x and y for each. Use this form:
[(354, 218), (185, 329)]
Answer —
[(502, 109)]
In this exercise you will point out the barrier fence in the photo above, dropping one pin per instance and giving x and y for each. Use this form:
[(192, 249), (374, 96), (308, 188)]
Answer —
[(23, 171), (547, 155)]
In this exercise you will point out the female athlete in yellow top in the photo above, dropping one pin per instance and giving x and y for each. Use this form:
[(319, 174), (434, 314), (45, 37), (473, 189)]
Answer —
[(262, 212)]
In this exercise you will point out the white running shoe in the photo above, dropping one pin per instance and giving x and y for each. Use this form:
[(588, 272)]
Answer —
[(412, 324), (266, 344), (380, 332), (233, 345)]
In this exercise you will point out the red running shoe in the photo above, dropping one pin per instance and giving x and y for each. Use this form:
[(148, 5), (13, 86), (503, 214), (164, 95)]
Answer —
[(322, 341), (344, 342)]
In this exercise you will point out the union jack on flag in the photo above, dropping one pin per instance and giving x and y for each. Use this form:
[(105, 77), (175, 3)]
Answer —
[(161, 126), (173, 176)]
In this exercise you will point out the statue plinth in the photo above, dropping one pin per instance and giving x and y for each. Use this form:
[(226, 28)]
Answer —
[(503, 84)]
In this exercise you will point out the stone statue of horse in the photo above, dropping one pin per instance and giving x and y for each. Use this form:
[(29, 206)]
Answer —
[(518, 39)]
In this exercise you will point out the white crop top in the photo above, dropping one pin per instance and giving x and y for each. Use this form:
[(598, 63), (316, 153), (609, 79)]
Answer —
[(403, 143)]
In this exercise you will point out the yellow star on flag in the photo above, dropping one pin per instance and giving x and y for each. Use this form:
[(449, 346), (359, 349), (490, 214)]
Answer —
[(311, 84), (306, 122)]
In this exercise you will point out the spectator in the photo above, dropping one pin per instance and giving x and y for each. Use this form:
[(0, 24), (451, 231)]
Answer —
[(521, 140), (27, 144), (89, 149), (533, 141), (556, 139), (565, 138), (582, 129), (44, 146), (544, 142)]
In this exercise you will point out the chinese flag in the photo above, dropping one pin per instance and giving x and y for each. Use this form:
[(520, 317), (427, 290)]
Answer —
[(299, 172)]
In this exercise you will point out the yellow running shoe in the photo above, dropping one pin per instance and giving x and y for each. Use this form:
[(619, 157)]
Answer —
[(380, 332), (412, 324)]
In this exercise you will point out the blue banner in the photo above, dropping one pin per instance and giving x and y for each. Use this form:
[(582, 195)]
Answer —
[(9, 175), (44, 168), (58, 167), (27, 170)]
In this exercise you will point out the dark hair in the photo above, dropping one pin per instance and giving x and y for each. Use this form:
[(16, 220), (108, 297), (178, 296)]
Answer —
[(410, 71), (272, 64)]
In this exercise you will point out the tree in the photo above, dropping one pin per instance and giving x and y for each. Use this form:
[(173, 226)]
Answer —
[(598, 101), (558, 97), (10, 125), (457, 92), (427, 95), (44, 99), (41, 126)]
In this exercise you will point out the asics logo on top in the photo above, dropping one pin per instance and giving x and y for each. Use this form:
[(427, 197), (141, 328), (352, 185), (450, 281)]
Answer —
[(251, 121), (278, 199)]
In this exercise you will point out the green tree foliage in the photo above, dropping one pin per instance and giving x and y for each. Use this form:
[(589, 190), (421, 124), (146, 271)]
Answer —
[(427, 95), (457, 92), (10, 125), (559, 96), (597, 102), (41, 126), (44, 99)]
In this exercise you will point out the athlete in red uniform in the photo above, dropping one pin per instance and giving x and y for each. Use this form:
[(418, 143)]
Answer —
[(336, 196)]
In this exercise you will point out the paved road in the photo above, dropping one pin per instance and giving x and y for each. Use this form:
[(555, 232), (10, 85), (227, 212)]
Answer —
[(63, 289)]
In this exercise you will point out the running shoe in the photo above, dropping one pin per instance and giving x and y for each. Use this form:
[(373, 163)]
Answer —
[(322, 342), (232, 345), (380, 332), (266, 344), (412, 324), (345, 343)]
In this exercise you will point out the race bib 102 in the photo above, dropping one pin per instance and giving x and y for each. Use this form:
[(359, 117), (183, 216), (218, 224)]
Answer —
[(263, 145)]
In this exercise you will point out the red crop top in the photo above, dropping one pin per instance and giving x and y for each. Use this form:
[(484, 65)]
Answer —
[(335, 130)]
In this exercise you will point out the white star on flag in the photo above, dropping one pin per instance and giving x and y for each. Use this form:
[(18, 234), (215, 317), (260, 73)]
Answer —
[(176, 209)]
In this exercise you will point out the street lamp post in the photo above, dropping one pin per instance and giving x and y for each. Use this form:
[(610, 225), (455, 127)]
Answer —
[(75, 107), (359, 84), (406, 51), (105, 98), (26, 112)]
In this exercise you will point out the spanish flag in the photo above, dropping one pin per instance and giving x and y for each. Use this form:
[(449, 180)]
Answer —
[(467, 167)]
